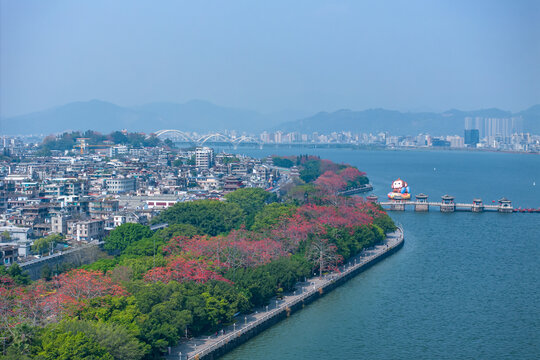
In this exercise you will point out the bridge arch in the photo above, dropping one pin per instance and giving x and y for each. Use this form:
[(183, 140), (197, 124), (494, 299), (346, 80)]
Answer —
[(247, 140), (215, 136), (174, 134)]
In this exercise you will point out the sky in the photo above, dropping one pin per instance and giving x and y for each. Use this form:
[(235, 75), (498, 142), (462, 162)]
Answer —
[(271, 56)]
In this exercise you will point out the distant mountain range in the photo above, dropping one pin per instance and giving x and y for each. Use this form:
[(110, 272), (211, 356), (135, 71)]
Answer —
[(203, 116), (399, 123), (195, 115)]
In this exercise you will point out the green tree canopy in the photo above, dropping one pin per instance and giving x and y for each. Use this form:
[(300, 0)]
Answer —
[(282, 162), (174, 230), (18, 275), (270, 215), (113, 338), (59, 345), (124, 235), (117, 310), (47, 243), (311, 170), (212, 217), (385, 223), (251, 201)]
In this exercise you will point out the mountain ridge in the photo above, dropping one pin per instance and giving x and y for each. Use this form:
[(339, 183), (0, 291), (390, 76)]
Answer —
[(204, 116), (376, 120), (103, 116)]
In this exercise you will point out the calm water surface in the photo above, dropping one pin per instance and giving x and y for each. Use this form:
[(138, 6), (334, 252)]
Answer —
[(464, 286)]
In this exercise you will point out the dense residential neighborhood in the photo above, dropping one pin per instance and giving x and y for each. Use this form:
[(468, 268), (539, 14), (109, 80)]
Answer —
[(85, 194)]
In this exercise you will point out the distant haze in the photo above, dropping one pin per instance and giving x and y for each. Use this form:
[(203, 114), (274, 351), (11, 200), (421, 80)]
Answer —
[(273, 57), (203, 117)]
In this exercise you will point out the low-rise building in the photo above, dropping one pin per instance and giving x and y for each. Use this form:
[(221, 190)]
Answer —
[(59, 224), (8, 254), (16, 233), (120, 185), (89, 230)]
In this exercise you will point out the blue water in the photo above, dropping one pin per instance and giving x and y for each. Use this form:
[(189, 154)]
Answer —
[(464, 286)]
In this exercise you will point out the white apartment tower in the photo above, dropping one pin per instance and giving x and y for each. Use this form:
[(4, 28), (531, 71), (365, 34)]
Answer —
[(204, 157)]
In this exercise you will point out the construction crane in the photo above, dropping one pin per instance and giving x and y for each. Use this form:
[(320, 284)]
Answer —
[(82, 143)]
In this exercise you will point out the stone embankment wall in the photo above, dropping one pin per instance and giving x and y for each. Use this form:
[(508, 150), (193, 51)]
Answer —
[(77, 257), (241, 336)]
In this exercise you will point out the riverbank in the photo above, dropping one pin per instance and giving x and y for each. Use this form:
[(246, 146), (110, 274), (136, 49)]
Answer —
[(211, 347)]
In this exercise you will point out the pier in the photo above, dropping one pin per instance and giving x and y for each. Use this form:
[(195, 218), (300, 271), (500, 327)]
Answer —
[(447, 204), (250, 325)]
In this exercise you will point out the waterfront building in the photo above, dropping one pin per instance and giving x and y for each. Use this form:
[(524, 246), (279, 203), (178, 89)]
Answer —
[(472, 137), (440, 143), (477, 206), (421, 202), (505, 205), (495, 130), (448, 204), (278, 137), (455, 141)]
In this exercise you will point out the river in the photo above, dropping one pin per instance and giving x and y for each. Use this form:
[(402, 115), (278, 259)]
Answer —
[(465, 285)]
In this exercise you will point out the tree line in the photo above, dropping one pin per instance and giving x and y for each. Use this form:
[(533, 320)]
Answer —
[(214, 260)]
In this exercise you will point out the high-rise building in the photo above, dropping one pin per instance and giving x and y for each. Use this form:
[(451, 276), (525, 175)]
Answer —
[(265, 137), (500, 129), (204, 157), (455, 141), (278, 137), (472, 137)]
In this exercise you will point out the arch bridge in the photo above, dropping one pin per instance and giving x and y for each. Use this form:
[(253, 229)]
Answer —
[(174, 135), (180, 136)]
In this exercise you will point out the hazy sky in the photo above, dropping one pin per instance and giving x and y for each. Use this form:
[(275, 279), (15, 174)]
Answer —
[(271, 55)]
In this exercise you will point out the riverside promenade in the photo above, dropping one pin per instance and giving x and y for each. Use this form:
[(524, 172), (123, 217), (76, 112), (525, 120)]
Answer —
[(248, 326)]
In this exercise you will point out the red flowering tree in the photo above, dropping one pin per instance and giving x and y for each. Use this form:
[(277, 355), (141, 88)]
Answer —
[(331, 182), (351, 173), (71, 288), (240, 248), (21, 305), (294, 230), (182, 270), (327, 165), (10, 296)]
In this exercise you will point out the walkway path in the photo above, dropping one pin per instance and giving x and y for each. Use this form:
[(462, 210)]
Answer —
[(195, 348)]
